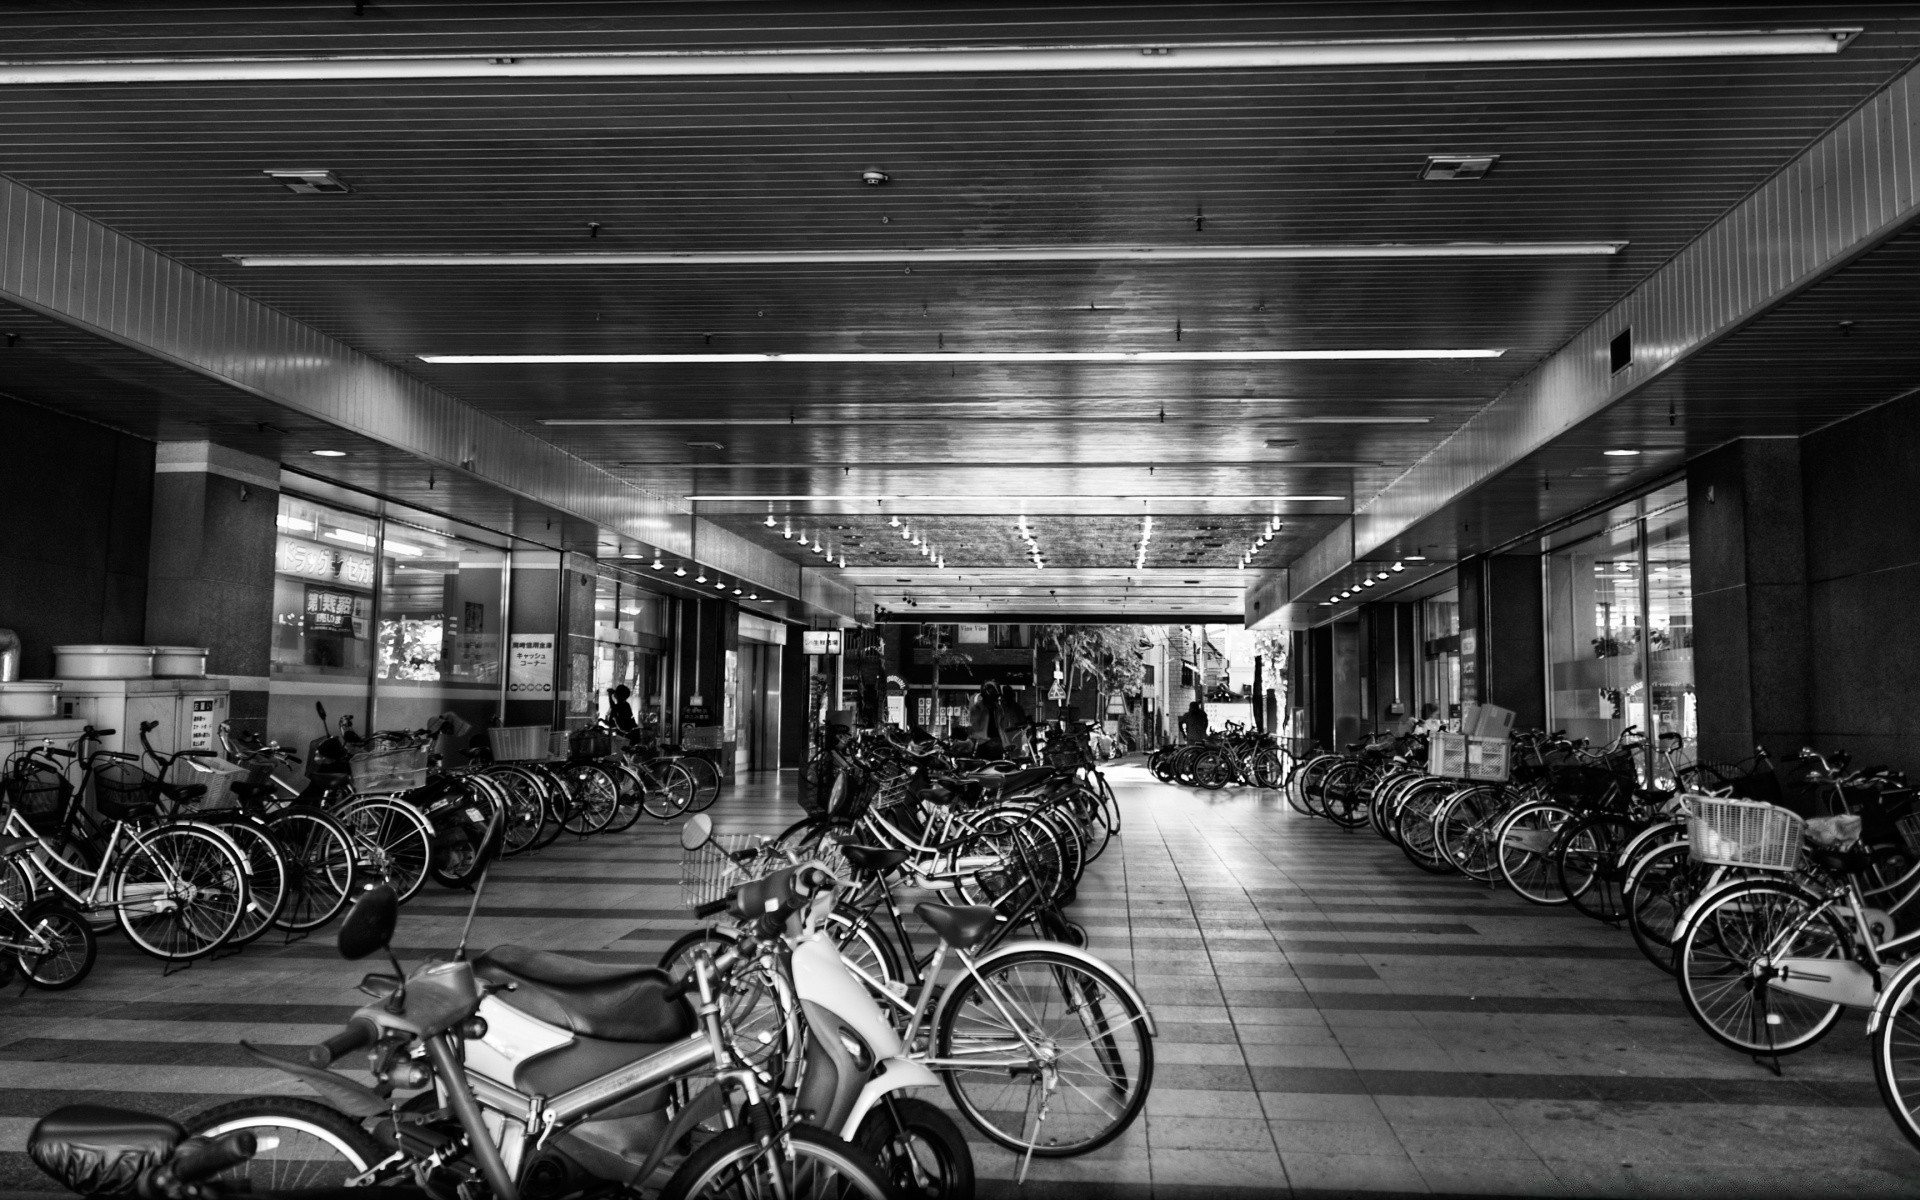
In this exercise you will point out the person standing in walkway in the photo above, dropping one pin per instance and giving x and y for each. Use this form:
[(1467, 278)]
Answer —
[(1194, 723)]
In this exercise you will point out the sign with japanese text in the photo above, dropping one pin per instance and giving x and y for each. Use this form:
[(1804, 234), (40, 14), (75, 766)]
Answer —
[(530, 666), (292, 556)]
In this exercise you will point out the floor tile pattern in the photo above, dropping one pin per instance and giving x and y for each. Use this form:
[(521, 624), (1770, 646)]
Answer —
[(1332, 1022)]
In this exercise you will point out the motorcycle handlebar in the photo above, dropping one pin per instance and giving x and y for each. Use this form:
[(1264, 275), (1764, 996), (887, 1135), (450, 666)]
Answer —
[(358, 1035)]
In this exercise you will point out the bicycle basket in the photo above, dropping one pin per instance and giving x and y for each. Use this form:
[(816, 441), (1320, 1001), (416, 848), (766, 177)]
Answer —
[(709, 873), (590, 743), (120, 786), (393, 769), (39, 794), (1909, 827), (1743, 833)]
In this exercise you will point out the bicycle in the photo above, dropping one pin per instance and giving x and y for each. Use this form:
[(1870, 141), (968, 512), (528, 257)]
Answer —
[(48, 941)]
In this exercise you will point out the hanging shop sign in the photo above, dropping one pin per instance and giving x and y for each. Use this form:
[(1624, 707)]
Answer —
[(820, 641), (973, 635), (329, 610), (310, 559), (530, 666)]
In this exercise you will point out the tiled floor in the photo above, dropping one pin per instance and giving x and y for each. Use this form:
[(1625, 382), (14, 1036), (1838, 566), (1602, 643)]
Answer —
[(1331, 1021)]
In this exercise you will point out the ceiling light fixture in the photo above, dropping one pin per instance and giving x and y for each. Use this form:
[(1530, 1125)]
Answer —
[(633, 556), (1398, 567), (657, 564), (1620, 453), (701, 577), (1144, 418), (770, 521), (680, 572), (952, 254), (720, 584), (950, 356), (329, 453), (948, 497), (944, 60)]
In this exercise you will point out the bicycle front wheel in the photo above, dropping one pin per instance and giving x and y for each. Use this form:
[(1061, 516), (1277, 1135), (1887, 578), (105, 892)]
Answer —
[(179, 892), (315, 1146), (1524, 842), (318, 852), (668, 790), (1091, 1064), (267, 878), (392, 842), (1896, 1054), (706, 781), (815, 1165), (596, 797)]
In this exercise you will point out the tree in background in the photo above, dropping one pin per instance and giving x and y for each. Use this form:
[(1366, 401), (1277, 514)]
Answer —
[(1270, 646)]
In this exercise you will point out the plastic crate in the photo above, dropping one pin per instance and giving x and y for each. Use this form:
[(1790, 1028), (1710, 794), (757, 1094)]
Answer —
[(519, 743), (1457, 756), (1743, 833), (395, 769)]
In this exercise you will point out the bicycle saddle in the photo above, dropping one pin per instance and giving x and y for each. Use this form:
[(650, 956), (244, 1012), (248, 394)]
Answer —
[(12, 846), (1854, 860), (961, 926), (99, 1151), (1018, 781), (615, 1004), (877, 859)]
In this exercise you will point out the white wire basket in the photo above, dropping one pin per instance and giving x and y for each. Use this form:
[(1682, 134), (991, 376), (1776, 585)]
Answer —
[(395, 769), (724, 863), (1743, 833)]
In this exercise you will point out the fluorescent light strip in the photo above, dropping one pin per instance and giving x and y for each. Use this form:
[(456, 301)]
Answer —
[(949, 497), (1144, 418), (936, 254), (950, 356), (1197, 56), (974, 464)]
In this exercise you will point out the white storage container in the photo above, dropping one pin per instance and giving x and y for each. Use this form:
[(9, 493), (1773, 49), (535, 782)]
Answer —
[(30, 700), (179, 662), (103, 662)]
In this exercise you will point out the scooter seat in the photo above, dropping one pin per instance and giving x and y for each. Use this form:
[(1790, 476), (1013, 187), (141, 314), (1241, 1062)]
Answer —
[(878, 859), (100, 1151), (617, 1004), (961, 926)]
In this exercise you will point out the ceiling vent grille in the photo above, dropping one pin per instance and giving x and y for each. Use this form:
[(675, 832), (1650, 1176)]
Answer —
[(1458, 166), (311, 183)]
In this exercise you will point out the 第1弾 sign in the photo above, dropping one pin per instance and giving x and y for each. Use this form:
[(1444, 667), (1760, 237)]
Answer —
[(820, 641)]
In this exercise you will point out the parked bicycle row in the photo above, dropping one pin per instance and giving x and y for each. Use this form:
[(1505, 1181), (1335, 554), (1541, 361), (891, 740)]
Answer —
[(773, 1051), (1233, 754), (1777, 895), (196, 852)]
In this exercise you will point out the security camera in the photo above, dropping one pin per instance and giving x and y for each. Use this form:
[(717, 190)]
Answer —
[(874, 177)]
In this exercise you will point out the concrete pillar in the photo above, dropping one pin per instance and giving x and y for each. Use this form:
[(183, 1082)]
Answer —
[(1502, 636), (1746, 519), (534, 641), (709, 632), (1347, 684), (210, 564)]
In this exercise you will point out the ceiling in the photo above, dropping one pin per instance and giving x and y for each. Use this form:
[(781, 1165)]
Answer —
[(1645, 153)]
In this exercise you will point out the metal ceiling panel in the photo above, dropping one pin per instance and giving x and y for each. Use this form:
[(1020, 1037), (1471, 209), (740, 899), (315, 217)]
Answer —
[(1839, 198)]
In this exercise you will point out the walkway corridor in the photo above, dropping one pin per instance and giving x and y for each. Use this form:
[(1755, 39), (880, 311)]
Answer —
[(1331, 1021)]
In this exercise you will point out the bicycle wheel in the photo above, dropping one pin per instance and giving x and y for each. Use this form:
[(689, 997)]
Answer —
[(669, 789), (1090, 1082), (1463, 832), (864, 947), (393, 844), (1665, 881), (811, 1163), (178, 892), (627, 804), (267, 879), (314, 1146), (1211, 770), (761, 1011), (16, 884), (461, 821), (918, 1148), (526, 808), (1347, 798), (1895, 1048), (318, 852), (1588, 864), (706, 781), (1413, 829), (595, 798), (65, 946), (557, 804), (1525, 842), (1729, 952)]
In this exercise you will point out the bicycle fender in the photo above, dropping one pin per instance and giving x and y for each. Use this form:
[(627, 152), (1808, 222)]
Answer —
[(985, 962), (1632, 850), (354, 1099), (896, 1075), (1893, 994), (1709, 894)]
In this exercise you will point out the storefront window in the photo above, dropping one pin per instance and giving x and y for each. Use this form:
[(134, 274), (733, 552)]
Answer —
[(323, 588), (1619, 613), (1440, 669), (441, 619), (629, 626)]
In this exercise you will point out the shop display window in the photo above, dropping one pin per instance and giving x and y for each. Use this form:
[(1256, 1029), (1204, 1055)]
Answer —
[(1619, 625), (629, 628), (323, 630), (441, 608), (1440, 660)]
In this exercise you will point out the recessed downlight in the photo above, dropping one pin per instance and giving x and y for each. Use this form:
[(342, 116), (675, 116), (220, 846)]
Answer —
[(329, 453), (1620, 453)]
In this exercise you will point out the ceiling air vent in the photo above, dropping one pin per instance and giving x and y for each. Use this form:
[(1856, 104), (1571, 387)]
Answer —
[(311, 183), (1458, 166)]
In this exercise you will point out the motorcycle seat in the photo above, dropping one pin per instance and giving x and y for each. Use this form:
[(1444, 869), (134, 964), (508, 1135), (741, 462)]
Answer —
[(878, 859), (615, 1004), (100, 1151), (961, 926)]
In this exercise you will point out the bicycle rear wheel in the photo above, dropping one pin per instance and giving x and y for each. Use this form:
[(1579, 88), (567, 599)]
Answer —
[(178, 892), (706, 781), (1896, 1053), (1665, 881), (65, 946), (1101, 1055), (669, 789), (1524, 842), (595, 798), (1729, 951), (815, 1166), (392, 842), (1588, 863), (318, 852), (267, 879)]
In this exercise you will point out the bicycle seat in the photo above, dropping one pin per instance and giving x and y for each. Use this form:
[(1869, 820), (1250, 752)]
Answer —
[(1854, 860), (100, 1151), (615, 1004), (182, 793), (961, 926), (877, 859), (12, 846), (1018, 781)]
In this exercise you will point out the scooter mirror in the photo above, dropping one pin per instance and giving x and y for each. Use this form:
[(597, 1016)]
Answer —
[(697, 832), (370, 923), (322, 710)]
